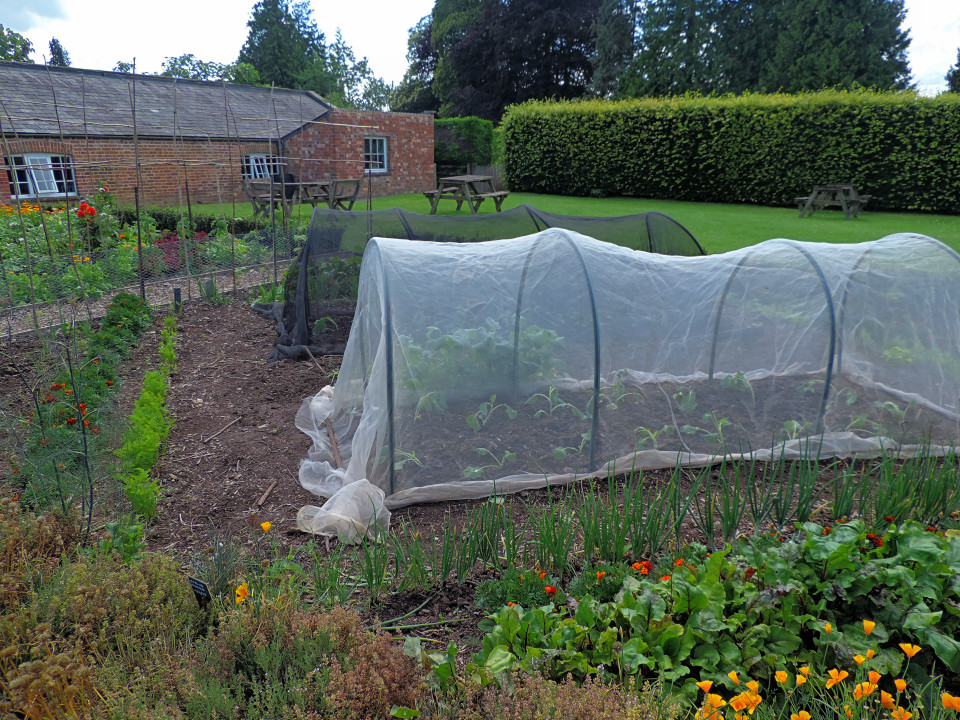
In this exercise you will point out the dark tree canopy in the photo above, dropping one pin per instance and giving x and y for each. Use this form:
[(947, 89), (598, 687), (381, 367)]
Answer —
[(492, 53), (14, 46), (721, 46), (953, 76), (58, 56), (415, 92), (613, 31), (281, 41)]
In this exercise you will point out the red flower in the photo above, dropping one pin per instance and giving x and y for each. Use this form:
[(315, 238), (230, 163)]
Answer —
[(56, 386), (890, 518), (71, 421), (644, 567), (751, 571), (109, 383), (551, 590), (543, 575), (678, 562), (95, 430), (931, 528), (600, 576), (86, 423), (91, 211), (826, 530), (665, 577)]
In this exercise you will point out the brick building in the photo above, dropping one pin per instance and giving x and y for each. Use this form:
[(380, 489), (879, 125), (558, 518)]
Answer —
[(65, 131)]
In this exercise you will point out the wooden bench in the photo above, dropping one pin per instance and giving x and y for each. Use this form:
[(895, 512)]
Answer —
[(498, 197)]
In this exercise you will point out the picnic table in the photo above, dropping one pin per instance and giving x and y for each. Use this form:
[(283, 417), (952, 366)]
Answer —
[(266, 195), (469, 189), (842, 195)]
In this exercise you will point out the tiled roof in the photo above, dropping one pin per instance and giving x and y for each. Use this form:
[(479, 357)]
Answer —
[(100, 103)]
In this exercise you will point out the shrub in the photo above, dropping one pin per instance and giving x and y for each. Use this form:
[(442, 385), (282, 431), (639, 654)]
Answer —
[(461, 141), (761, 149)]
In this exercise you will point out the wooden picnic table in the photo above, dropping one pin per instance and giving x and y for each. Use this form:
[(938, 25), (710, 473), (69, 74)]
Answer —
[(266, 195), (469, 189), (842, 195)]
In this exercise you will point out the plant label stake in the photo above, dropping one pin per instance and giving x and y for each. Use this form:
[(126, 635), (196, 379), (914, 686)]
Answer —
[(201, 591)]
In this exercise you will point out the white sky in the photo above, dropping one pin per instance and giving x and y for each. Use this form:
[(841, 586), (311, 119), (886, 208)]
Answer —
[(99, 33)]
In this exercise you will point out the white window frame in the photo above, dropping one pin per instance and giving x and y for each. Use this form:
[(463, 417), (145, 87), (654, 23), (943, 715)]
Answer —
[(42, 175), (260, 166), (375, 154)]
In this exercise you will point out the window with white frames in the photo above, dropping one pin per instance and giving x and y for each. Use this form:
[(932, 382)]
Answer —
[(375, 154), (260, 166), (41, 175)]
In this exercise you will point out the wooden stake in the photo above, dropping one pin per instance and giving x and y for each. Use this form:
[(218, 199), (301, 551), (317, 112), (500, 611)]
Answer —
[(313, 358), (232, 422), (263, 498), (333, 441)]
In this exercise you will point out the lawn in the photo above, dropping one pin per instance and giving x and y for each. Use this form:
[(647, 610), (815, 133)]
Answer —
[(719, 228)]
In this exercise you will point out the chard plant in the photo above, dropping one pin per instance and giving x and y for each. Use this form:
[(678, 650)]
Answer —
[(738, 382), (554, 403), (475, 472)]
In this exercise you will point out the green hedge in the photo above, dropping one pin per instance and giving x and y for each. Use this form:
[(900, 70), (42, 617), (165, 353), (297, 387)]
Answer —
[(460, 141), (168, 217), (902, 149)]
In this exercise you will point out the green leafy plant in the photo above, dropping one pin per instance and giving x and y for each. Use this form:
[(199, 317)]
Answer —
[(483, 414), (433, 403), (738, 382), (645, 435), (561, 452), (473, 472), (325, 325), (686, 400), (125, 537), (554, 403)]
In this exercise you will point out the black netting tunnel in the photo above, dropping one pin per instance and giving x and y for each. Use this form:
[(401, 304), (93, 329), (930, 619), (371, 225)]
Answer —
[(499, 366), (341, 234)]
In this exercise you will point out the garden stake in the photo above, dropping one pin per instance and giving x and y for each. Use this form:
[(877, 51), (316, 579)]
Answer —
[(263, 498), (333, 442), (232, 422)]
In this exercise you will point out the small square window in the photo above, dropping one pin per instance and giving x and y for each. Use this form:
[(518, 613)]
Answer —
[(375, 154), (260, 166), (39, 175)]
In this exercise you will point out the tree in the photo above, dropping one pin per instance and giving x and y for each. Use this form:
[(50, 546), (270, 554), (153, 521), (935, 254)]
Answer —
[(499, 53), (415, 91), (674, 49), (613, 32), (58, 56), (188, 66), (822, 43), (282, 41), (953, 76), (14, 46), (724, 46), (123, 67)]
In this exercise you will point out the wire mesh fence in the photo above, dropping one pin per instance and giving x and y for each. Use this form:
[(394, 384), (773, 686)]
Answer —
[(51, 258)]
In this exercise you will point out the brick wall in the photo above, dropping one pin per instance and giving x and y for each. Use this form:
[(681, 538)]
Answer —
[(212, 168), (333, 147)]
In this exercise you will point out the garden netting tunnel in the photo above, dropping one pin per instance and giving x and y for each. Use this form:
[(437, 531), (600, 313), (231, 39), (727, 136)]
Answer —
[(313, 282), (499, 366)]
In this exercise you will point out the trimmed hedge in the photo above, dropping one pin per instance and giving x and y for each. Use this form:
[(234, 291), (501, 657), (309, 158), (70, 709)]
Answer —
[(461, 141), (902, 149), (168, 217)]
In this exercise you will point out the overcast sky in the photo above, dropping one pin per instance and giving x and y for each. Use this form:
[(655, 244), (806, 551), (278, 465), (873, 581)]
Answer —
[(99, 33)]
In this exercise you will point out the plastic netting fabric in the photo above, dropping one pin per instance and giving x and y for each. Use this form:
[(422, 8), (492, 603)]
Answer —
[(497, 366), (341, 234)]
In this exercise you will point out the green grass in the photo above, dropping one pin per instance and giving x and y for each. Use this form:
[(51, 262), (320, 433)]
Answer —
[(719, 228)]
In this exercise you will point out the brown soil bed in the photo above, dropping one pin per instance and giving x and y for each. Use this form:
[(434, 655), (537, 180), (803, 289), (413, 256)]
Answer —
[(556, 441)]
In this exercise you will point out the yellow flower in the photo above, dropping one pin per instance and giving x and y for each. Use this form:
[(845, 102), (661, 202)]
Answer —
[(868, 626), (802, 715), (733, 676), (805, 670), (828, 628), (874, 676), (705, 685), (901, 684), (871, 653), (242, 593), (801, 679), (836, 676), (266, 526), (848, 711), (781, 676), (950, 702), (909, 650), (858, 659), (901, 714), (886, 699), (863, 690)]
